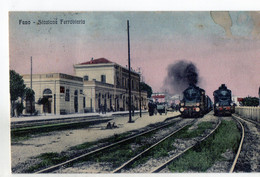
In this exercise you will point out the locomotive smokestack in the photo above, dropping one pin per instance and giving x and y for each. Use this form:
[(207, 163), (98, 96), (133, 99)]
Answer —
[(181, 75)]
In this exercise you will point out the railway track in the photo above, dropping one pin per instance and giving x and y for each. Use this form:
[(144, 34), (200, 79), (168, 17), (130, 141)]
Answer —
[(246, 156), (148, 149), (38, 123), (247, 120), (74, 163), (126, 164), (240, 146), (72, 160), (164, 165)]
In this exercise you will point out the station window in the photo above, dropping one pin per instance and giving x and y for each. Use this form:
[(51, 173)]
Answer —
[(67, 95), (127, 83), (62, 89), (123, 82), (117, 81), (103, 78), (84, 102), (85, 78)]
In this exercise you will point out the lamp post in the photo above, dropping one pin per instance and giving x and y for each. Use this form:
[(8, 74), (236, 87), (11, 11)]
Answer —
[(140, 98), (91, 101)]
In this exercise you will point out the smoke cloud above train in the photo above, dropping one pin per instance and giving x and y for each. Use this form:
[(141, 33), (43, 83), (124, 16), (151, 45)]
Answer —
[(180, 75)]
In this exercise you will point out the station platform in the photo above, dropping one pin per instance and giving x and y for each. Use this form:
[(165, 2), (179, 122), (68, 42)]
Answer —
[(68, 116), (58, 141), (138, 122)]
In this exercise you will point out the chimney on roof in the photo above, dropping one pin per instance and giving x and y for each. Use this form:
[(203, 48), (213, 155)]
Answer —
[(92, 59)]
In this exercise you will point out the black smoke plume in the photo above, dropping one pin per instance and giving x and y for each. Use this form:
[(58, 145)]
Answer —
[(181, 75)]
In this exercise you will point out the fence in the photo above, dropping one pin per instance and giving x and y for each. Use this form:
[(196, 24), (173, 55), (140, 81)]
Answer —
[(252, 113)]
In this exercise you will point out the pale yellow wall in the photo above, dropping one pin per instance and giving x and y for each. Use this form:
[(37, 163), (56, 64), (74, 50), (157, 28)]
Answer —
[(41, 82), (89, 92), (96, 72), (90, 89)]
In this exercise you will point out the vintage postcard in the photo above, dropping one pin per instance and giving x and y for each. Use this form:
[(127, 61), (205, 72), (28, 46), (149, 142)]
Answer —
[(134, 92)]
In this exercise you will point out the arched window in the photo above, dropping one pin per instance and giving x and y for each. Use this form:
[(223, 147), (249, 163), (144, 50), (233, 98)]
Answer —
[(47, 92)]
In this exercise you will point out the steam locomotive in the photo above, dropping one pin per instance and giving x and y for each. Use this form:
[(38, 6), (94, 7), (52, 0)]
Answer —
[(195, 103), (222, 101)]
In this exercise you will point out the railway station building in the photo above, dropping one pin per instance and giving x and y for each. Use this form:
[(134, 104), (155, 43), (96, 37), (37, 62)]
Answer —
[(97, 85), (64, 93)]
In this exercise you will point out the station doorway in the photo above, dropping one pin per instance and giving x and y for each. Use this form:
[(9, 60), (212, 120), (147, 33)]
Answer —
[(76, 106), (47, 95)]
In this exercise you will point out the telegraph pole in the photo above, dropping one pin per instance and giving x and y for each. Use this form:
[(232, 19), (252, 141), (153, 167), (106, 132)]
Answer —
[(31, 72), (31, 88), (129, 76)]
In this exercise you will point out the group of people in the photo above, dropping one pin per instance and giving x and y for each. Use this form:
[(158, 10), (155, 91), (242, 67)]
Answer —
[(152, 108), (103, 109)]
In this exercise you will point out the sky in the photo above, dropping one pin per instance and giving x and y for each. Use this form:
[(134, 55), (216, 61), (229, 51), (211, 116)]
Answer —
[(224, 46), (222, 54)]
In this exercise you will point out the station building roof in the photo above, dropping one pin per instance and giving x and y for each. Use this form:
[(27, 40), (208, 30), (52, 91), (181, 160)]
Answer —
[(96, 61), (101, 61), (52, 76)]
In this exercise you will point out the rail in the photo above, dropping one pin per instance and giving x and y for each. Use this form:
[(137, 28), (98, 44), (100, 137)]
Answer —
[(162, 166), (55, 167), (240, 145), (157, 143), (252, 113)]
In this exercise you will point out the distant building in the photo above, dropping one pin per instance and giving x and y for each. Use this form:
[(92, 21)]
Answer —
[(158, 97), (175, 99), (162, 97), (237, 100), (98, 84)]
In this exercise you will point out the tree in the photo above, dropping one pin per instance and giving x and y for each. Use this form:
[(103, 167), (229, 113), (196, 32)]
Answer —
[(146, 87), (250, 101), (17, 89), (29, 95)]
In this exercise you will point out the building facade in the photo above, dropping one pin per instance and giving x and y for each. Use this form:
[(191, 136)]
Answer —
[(106, 86), (98, 85), (64, 92)]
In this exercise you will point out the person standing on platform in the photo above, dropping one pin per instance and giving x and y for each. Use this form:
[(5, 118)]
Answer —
[(150, 108)]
